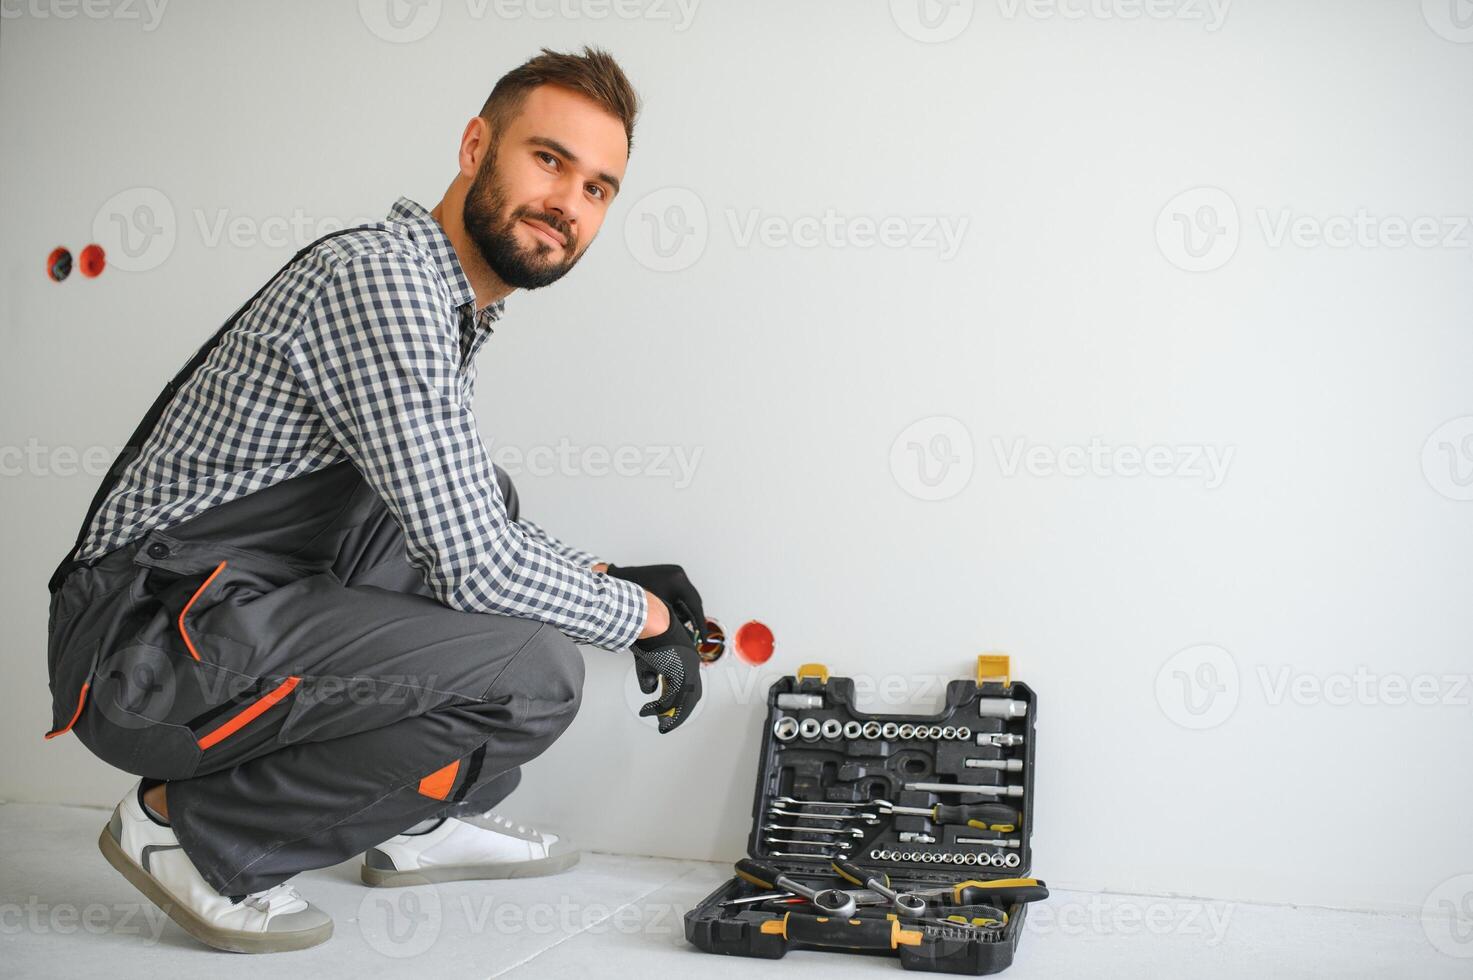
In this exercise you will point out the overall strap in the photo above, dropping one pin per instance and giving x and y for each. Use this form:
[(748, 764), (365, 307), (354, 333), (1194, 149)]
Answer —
[(135, 442)]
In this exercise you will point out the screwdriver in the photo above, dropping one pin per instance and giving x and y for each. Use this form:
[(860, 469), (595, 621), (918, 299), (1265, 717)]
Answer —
[(1002, 891), (983, 816)]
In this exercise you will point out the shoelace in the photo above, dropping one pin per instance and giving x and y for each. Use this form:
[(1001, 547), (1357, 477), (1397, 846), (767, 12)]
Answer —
[(504, 822), (276, 899)]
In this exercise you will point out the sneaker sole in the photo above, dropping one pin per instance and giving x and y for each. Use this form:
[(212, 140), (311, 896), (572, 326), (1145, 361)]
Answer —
[(231, 940), (379, 878)]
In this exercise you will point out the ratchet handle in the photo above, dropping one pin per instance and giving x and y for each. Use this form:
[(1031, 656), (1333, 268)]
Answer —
[(976, 916), (759, 874), (1003, 891), (856, 875), (836, 933)]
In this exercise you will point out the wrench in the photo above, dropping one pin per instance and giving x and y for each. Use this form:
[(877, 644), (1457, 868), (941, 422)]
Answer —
[(851, 831), (795, 802), (831, 817), (842, 845)]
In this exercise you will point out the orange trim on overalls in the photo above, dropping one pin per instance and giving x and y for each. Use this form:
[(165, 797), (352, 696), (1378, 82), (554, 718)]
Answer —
[(250, 714), (437, 784), (204, 585), (75, 714)]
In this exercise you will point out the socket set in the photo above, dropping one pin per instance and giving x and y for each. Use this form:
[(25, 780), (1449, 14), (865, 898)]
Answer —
[(1010, 859), (927, 804), (810, 729)]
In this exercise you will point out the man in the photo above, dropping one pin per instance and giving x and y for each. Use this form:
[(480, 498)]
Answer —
[(308, 613)]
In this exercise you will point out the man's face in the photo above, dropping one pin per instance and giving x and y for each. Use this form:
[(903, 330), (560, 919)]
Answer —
[(542, 190)]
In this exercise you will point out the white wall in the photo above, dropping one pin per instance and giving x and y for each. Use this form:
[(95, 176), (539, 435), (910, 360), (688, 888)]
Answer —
[(1336, 542)]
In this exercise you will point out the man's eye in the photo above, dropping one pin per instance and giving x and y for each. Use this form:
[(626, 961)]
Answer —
[(547, 156), (597, 188)]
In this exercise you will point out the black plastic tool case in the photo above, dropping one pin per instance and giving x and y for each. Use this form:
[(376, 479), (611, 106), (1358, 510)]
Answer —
[(865, 769)]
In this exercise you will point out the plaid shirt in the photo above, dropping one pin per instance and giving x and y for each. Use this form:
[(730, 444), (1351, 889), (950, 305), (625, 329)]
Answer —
[(365, 349)]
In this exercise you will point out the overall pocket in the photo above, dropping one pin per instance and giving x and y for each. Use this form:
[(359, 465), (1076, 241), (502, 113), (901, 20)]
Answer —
[(202, 592)]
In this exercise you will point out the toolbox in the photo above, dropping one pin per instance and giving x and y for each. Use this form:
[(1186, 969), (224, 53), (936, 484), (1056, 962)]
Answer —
[(836, 783)]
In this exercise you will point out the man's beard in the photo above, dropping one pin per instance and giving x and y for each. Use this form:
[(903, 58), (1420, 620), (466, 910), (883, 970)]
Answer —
[(496, 236)]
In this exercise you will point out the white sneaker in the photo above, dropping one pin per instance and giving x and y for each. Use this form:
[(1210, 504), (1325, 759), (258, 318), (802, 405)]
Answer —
[(150, 856), (480, 846)]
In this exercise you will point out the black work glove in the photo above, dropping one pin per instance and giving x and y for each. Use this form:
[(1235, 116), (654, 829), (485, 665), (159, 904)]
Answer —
[(670, 658), (670, 586)]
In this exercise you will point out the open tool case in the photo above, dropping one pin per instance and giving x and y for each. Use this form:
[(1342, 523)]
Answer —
[(841, 756)]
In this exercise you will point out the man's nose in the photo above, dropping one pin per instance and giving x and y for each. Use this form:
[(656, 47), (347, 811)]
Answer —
[(562, 204)]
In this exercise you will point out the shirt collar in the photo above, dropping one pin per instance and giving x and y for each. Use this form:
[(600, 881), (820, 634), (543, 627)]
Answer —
[(424, 229)]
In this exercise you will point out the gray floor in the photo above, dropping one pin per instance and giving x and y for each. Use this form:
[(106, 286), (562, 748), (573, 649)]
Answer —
[(65, 912)]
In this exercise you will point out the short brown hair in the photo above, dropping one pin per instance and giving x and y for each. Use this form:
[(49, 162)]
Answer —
[(594, 73)]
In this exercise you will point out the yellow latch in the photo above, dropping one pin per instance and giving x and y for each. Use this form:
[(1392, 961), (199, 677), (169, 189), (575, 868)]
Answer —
[(994, 668), (814, 670)]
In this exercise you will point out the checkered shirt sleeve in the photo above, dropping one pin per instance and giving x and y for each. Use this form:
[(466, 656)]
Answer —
[(377, 355)]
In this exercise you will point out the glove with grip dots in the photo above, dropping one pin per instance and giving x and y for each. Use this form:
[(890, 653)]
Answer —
[(669, 661)]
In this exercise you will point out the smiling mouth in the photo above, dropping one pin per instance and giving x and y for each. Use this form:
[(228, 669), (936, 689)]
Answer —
[(541, 232)]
